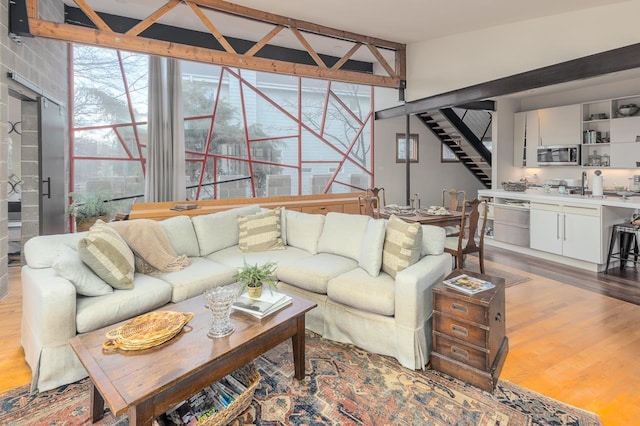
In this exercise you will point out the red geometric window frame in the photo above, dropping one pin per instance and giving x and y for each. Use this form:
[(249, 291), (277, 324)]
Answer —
[(344, 154)]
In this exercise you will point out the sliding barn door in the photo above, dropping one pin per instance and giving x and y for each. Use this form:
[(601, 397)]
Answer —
[(51, 130)]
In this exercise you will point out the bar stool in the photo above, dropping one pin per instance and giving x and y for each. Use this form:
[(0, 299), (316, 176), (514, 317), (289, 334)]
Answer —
[(628, 244)]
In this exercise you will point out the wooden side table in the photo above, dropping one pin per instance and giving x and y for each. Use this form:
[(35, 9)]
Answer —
[(469, 340)]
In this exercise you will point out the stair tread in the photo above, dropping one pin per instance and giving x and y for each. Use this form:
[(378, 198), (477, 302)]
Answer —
[(466, 153)]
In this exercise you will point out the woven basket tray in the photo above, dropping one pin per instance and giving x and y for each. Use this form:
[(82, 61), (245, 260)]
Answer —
[(248, 376), (146, 331)]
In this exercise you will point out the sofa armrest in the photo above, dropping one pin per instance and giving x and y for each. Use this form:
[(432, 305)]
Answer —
[(48, 308), (413, 296)]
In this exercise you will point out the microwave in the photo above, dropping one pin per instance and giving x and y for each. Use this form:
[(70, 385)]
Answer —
[(559, 155)]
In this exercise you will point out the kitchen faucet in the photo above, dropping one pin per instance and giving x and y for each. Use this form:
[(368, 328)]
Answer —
[(584, 178)]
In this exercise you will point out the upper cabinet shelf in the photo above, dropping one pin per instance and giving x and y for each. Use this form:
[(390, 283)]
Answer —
[(607, 130), (625, 107)]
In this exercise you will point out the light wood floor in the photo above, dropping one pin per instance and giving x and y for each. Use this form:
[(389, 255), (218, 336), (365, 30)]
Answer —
[(569, 343)]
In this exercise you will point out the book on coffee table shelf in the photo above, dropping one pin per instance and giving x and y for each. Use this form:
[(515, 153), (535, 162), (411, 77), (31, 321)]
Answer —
[(467, 284), (268, 303), (198, 408)]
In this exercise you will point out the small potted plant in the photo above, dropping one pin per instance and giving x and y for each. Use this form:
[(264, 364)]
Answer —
[(253, 277), (89, 207)]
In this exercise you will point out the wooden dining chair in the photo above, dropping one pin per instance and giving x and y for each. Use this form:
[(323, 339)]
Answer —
[(372, 202), (369, 206), (471, 236), (455, 199)]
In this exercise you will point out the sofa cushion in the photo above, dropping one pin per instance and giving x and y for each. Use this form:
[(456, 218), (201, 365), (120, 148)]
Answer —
[(313, 273), (337, 226), (283, 222), (359, 290), (433, 240), (216, 231), (69, 265), (108, 255), (371, 251), (233, 258), (201, 275), (402, 245), (260, 232), (147, 294), (304, 229), (43, 250), (179, 230)]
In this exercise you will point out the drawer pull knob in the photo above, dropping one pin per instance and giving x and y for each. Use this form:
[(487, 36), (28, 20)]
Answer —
[(459, 330), (460, 308), (460, 352)]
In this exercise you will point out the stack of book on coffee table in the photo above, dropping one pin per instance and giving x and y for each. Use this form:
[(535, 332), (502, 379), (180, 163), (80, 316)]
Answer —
[(268, 303)]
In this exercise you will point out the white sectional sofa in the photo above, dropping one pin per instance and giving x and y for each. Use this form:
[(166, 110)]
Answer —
[(335, 260)]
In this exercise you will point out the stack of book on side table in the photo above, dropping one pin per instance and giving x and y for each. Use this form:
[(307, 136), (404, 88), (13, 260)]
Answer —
[(268, 303), (468, 285)]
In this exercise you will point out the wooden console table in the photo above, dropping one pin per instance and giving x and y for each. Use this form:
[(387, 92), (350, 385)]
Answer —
[(469, 340), (317, 203)]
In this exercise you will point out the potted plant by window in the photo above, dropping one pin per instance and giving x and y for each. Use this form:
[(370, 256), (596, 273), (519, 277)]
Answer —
[(253, 277), (87, 208)]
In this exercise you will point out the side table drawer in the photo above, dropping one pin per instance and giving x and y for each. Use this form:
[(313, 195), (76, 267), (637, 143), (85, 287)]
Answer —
[(459, 351), (460, 309), (460, 330)]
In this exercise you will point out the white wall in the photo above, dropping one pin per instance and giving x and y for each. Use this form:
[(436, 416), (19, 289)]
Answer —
[(502, 131), (450, 63), (428, 177)]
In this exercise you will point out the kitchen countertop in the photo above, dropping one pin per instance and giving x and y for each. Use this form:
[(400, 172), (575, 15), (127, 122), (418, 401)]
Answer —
[(632, 202)]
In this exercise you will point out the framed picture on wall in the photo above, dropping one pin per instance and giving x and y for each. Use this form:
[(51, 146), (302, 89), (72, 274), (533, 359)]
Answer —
[(401, 148), (446, 155)]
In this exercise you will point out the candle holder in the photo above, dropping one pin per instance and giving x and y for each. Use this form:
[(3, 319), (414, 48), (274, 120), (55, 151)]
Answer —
[(219, 300)]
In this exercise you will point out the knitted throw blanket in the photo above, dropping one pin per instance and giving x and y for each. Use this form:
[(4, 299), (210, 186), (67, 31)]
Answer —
[(147, 239)]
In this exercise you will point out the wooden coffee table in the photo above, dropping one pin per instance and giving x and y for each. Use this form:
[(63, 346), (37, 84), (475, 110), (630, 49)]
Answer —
[(147, 383)]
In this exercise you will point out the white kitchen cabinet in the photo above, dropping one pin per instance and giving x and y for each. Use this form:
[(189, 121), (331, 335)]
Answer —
[(625, 130), (572, 230), (545, 227), (560, 125), (577, 241), (625, 155), (525, 139), (519, 135)]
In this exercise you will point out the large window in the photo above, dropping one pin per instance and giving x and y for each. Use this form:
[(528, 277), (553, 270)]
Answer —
[(247, 133)]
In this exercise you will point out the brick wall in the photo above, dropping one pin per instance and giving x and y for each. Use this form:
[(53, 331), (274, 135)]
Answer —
[(44, 63)]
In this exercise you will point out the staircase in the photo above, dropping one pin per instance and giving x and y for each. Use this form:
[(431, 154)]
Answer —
[(465, 132)]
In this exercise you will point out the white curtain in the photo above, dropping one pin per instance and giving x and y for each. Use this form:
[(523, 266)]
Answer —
[(165, 174)]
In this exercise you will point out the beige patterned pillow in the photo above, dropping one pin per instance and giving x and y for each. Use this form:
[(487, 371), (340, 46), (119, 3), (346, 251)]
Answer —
[(260, 232), (402, 245), (108, 255)]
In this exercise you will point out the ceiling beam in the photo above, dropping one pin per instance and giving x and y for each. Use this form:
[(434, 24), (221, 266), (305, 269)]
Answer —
[(76, 34), (136, 40), (120, 24), (258, 15), (621, 59)]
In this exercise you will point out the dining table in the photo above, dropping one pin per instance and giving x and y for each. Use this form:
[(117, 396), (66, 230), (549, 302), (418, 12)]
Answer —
[(452, 218)]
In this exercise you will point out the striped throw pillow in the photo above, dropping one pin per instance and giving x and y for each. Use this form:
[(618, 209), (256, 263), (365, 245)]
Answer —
[(108, 255), (402, 245), (260, 232)]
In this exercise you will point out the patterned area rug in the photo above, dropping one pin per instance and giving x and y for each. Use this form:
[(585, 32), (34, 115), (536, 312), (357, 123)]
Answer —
[(344, 386)]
